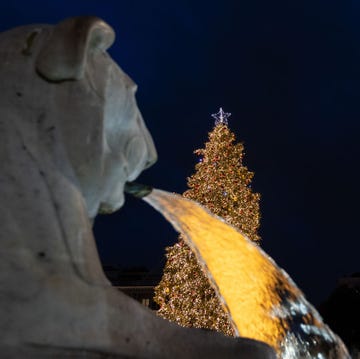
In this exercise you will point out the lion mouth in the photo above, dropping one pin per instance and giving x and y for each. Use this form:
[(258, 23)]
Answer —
[(138, 190)]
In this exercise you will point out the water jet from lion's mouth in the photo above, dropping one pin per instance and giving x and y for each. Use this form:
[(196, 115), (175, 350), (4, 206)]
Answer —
[(262, 301)]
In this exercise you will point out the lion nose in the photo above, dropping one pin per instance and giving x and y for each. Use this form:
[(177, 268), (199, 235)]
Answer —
[(151, 152), (150, 146)]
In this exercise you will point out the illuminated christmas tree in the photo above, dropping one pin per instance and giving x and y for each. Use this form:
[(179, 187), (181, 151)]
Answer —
[(222, 184)]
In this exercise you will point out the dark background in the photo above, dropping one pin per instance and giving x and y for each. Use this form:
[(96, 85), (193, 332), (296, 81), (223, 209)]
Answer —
[(289, 74)]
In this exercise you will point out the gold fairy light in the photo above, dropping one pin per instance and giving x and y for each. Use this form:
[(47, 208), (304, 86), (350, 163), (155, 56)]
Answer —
[(221, 183)]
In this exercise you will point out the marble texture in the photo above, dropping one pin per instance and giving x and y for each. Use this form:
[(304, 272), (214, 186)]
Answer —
[(71, 135)]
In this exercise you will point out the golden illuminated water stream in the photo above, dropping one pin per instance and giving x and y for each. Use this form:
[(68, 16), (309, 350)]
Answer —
[(261, 299)]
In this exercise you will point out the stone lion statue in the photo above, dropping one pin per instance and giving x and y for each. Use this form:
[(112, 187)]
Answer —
[(71, 136)]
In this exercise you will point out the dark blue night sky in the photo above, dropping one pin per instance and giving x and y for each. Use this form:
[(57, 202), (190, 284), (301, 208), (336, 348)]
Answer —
[(289, 72)]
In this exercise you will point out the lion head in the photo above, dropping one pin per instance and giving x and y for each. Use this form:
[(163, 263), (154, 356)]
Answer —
[(69, 84)]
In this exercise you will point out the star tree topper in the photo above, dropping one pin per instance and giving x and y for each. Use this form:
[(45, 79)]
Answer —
[(221, 117)]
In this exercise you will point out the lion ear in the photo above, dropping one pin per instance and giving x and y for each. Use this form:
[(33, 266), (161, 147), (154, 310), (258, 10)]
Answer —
[(63, 55)]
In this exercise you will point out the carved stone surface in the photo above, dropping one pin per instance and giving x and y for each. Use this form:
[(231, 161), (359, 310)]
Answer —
[(71, 135)]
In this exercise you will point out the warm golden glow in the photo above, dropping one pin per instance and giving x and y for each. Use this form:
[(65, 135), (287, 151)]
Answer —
[(222, 184), (245, 278)]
